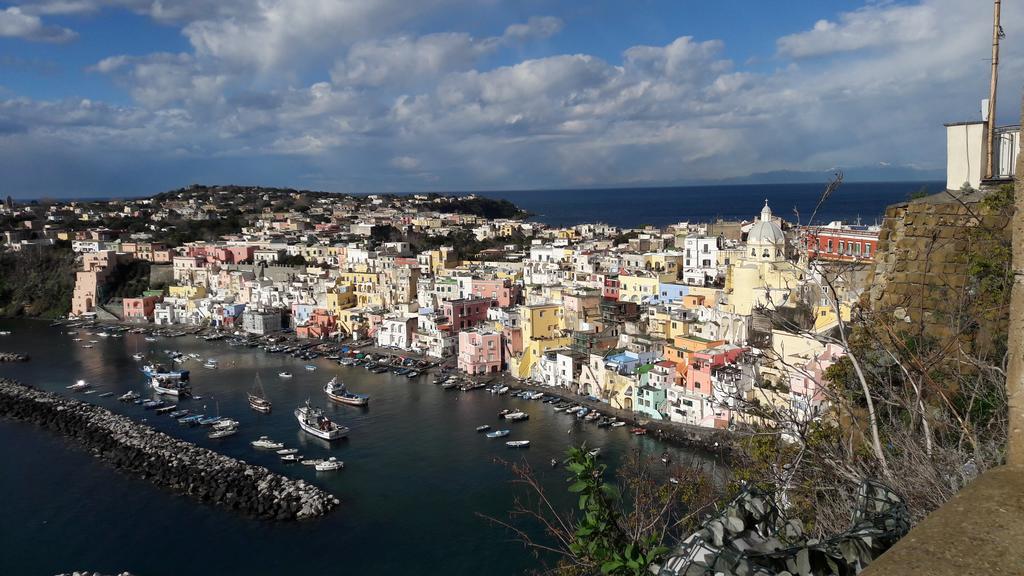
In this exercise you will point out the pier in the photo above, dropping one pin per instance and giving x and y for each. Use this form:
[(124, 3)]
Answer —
[(174, 464)]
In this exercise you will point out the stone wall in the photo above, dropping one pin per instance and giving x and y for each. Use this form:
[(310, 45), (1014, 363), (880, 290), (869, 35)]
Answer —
[(921, 277)]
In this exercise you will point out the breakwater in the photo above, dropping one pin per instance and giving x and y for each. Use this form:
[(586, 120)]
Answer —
[(174, 464), (12, 357)]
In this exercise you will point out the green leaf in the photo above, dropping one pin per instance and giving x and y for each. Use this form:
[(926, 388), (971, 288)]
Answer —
[(610, 566), (579, 486)]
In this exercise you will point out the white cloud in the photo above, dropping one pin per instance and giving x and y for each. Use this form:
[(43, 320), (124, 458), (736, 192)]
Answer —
[(874, 26), (535, 27), (16, 23)]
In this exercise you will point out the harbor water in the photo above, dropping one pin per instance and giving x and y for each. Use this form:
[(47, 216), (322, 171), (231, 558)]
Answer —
[(416, 481)]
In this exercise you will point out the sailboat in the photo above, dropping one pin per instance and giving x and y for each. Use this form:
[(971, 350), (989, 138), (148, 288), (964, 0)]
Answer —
[(258, 398)]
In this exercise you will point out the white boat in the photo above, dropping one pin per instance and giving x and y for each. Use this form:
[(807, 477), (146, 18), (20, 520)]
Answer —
[(503, 390), (138, 355), (336, 391), (311, 462), (5, 332), (498, 433), (312, 420), (222, 433), (285, 374), (225, 423), (618, 424), (80, 385), (310, 367), (483, 428), (291, 457), (516, 416), (517, 443), (149, 339), (536, 396), (266, 443), (595, 452), (86, 345), (331, 463), (285, 451), (128, 396), (210, 365)]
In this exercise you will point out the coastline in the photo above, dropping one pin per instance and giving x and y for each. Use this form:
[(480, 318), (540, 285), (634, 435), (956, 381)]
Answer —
[(167, 462)]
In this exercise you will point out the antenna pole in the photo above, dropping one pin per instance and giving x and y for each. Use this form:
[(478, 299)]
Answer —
[(990, 125)]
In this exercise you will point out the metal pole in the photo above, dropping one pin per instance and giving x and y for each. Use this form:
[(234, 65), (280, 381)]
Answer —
[(990, 139)]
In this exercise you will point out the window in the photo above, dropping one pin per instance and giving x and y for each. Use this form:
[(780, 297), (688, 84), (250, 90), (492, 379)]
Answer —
[(867, 249), (829, 244), (842, 245), (856, 249)]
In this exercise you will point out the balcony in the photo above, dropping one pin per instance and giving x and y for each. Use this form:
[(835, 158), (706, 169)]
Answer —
[(1006, 148)]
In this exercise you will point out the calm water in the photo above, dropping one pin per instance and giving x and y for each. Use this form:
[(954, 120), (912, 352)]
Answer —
[(416, 471), (628, 207)]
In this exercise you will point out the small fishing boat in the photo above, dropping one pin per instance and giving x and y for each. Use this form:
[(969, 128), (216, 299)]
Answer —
[(517, 443), (483, 428), (152, 404), (266, 443), (209, 420), (639, 431), (210, 365), (516, 416), (537, 396), (503, 390), (285, 374), (149, 339), (178, 414), (594, 453), (166, 409), (412, 374), (313, 421), (86, 345), (498, 433), (80, 385), (291, 457), (190, 420), (311, 462), (618, 424), (106, 395), (258, 397), (225, 423), (285, 451), (222, 433), (336, 391), (138, 356), (331, 463), (310, 367)]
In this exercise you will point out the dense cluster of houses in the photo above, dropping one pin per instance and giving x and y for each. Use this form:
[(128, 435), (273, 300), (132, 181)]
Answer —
[(674, 323)]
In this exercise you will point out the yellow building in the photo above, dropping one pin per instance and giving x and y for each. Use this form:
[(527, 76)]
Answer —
[(637, 288), (763, 277), (543, 330), (340, 298), (366, 286), (186, 292)]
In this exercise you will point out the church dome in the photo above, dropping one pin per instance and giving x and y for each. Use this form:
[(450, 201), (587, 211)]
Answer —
[(765, 230)]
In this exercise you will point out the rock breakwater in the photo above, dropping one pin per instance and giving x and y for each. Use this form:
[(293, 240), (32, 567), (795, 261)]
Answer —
[(174, 464)]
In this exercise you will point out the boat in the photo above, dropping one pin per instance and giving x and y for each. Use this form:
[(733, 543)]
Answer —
[(106, 395), (516, 416), (285, 374), (149, 339), (331, 463), (310, 367), (210, 365), (138, 356), (537, 396), (5, 332), (592, 416), (517, 443), (285, 451), (503, 412), (483, 428), (222, 432), (639, 431), (503, 390), (178, 414), (258, 397), (86, 345), (291, 457), (225, 423), (346, 361), (665, 458), (266, 443), (209, 420), (618, 424), (311, 462), (164, 381), (80, 385), (166, 409), (336, 391), (498, 433), (313, 421), (190, 420), (152, 404), (594, 453), (412, 374)]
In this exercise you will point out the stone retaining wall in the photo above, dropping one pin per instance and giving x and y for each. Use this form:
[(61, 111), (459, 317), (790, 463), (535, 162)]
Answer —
[(168, 462)]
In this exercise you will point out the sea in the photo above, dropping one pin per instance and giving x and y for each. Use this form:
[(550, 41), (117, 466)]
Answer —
[(417, 483), (851, 202)]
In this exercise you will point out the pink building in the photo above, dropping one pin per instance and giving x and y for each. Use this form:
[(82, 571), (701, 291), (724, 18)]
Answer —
[(467, 312), (703, 363), (500, 291), (611, 288), (806, 381), (140, 309), (234, 254), (480, 352)]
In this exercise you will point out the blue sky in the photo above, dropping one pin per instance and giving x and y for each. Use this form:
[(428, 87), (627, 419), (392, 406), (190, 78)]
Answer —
[(125, 97)]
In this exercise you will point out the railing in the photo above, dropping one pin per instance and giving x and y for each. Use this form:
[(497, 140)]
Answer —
[(1006, 148)]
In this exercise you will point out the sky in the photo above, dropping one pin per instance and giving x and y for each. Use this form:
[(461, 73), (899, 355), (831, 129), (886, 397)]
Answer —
[(131, 97)]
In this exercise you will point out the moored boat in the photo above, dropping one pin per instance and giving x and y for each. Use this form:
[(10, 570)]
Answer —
[(222, 433), (266, 443), (331, 463), (483, 428), (285, 374), (498, 433), (337, 391), (313, 421), (286, 451), (517, 443), (258, 397), (80, 385)]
